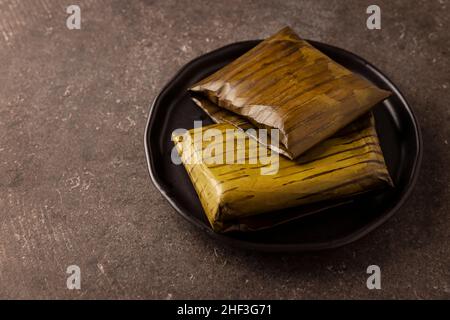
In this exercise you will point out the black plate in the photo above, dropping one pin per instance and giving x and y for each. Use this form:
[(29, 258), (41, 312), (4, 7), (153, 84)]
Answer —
[(399, 136)]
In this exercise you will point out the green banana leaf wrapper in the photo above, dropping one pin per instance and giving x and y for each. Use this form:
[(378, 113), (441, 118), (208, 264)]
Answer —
[(237, 197)]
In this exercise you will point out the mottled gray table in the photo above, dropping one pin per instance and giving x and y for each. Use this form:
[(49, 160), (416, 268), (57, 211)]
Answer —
[(74, 187)]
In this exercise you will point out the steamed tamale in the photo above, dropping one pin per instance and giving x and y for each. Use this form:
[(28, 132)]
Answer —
[(285, 83), (349, 163)]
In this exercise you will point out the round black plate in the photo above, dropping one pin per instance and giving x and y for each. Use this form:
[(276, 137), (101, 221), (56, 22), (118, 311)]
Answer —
[(396, 125)]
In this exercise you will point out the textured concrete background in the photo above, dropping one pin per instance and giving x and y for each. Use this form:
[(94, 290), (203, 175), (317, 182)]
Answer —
[(74, 187)]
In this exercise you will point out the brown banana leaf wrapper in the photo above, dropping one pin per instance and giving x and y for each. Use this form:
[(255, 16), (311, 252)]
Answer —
[(239, 197), (286, 83)]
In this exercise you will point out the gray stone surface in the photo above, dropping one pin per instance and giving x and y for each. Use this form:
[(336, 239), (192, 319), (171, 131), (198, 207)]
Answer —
[(74, 187)]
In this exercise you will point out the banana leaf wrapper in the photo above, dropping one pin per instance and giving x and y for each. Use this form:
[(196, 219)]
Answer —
[(286, 83), (238, 197)]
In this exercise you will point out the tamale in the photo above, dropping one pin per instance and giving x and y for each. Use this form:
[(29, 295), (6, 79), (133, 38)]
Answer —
[(285, 83), (349, 163)]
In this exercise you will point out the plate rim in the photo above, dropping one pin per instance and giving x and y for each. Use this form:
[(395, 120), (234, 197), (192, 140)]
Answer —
[(287, 247)]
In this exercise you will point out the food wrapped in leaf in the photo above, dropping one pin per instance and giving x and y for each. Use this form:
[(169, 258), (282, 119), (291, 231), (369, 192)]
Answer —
[(240, 196), (285, 83)]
